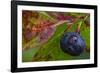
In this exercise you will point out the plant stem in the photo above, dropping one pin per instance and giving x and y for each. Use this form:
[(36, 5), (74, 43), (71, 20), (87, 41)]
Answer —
[(80, 23)]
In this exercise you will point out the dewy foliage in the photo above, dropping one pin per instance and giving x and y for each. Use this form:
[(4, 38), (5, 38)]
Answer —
[(50, 50)]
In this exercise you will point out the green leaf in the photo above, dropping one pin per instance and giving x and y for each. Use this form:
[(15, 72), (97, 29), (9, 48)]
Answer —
[(46, 49), (27, 55)]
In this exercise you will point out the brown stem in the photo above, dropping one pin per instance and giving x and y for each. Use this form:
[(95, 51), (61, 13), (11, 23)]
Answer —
[(79, 26)]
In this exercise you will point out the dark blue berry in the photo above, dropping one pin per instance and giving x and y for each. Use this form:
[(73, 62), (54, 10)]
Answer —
[(72, 43)]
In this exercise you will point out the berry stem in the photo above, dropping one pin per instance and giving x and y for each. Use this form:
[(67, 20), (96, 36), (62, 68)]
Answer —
[(80, 23), (78, 28)]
